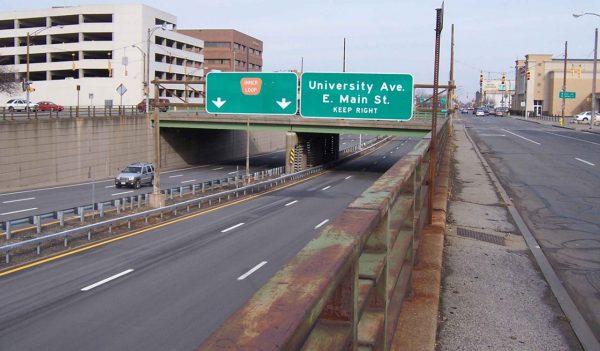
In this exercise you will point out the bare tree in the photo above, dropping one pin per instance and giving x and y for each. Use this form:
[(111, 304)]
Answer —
[(8, 81)]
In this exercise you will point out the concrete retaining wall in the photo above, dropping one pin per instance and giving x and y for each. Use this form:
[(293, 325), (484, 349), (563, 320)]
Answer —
[(49, 152)]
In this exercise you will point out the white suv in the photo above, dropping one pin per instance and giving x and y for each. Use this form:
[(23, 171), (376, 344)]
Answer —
[(20, 105)]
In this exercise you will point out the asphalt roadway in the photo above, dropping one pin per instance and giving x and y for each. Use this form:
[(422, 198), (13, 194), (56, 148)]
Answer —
[(168, 288), (553, 177), (29, 202)]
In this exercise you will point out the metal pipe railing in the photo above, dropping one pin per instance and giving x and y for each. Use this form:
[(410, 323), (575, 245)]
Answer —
[(344, 289)]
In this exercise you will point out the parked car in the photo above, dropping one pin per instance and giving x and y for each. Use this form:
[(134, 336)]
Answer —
[(585, 116), (20, 105), (49, 106), (163, 105), (479, 112), (135, 175)]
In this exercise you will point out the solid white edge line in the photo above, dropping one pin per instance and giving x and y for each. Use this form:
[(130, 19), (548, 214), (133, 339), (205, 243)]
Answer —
[(176, 176), (27, 209), (252, 270), (188, 181), (522, 137), (104, 281), (232, 228), (327, 187), (124, 192), (584, 161), (291, 203), (321, 224), (19, 200)]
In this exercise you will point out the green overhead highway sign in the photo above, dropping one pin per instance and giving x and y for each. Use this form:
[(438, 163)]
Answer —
[(566, 95), (252, 93), (357, 96)]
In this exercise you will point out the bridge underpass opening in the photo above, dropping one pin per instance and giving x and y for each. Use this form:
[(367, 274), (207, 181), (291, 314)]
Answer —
[(181, 147)]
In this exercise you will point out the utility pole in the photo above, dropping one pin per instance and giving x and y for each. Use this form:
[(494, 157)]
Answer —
[(344, 57), (436, 75), (157, 199), (564, 88), (593, 117), (247, 125), (450, 103)]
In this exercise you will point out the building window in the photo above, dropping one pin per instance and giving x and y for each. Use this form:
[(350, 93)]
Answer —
[(96, 73), (218, 62), (7, 24), (100, 36), (64, 20), (64, 56), (7, 42), (96, 55), (32, 22), (97, 18), (216, 44), (64, 38), (63, 74), (7, 60)]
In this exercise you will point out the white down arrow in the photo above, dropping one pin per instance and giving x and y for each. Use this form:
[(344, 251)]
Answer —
[(219, 102), (283, 103)]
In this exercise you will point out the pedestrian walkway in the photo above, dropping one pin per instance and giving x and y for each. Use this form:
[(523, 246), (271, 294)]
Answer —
[(493, 294)]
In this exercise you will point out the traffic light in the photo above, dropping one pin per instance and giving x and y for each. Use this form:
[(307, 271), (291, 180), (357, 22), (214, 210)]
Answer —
[(481, 78), (503, 79), (528, 75)]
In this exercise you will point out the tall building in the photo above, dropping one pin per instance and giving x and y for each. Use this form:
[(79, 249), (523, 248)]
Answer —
[(539, 81), (97, 48), (228, 50)]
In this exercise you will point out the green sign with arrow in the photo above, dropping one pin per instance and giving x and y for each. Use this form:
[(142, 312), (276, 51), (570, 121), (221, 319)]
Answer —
[(252, 93)]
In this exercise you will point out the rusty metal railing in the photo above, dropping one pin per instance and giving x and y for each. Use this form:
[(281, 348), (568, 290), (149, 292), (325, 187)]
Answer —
[(344, 289)]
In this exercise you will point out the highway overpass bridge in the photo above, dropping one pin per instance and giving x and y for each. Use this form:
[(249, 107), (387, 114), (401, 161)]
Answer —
[(309, 141)]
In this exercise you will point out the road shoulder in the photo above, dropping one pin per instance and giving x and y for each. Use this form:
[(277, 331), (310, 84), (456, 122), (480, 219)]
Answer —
[(493, 295)]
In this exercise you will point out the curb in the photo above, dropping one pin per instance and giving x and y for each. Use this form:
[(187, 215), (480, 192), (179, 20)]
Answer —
[(595, 131), (418, 320)]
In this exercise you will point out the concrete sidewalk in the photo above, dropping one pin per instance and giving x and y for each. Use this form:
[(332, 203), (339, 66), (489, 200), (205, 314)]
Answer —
[(493, 295)]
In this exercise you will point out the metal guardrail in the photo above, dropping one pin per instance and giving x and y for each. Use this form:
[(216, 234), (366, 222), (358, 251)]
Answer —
[(74, 112), (128, 110), (121, 204), (344, 289), (137, 201)]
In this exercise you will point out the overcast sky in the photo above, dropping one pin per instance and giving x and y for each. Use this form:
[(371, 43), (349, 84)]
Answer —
[(390, 35)]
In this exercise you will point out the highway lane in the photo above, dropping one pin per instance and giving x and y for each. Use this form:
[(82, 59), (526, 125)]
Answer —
[(29, 202), (25, 203), (170, 287), (553, 174)]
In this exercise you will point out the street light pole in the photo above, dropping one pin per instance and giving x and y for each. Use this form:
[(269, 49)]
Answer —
[(27, 82), (145, 84), (27, 76), (150, 32), (593, 116), (593, 112)]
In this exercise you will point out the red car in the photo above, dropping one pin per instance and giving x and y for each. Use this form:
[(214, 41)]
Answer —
[(49, 106)]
